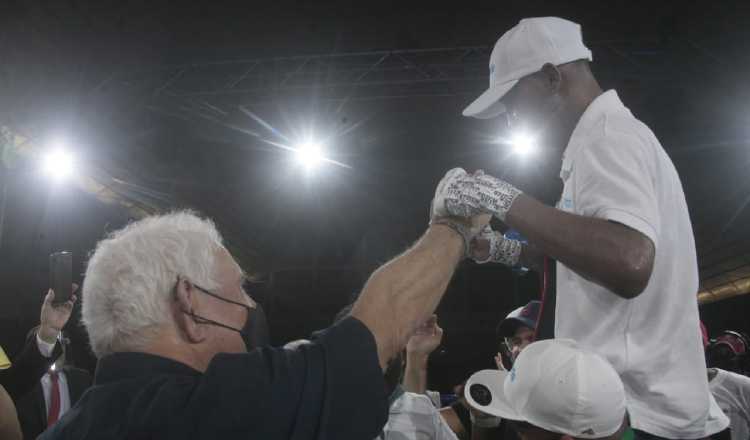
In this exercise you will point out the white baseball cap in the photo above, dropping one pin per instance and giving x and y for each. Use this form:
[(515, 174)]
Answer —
[(523, 50), (554, 385)]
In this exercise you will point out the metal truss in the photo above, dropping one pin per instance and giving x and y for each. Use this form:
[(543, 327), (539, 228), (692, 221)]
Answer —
[(384, 74), (329, 71)]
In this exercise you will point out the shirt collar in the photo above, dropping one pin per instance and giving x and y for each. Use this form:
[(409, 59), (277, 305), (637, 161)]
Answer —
[(119, 366), (601, 105), (47, 378)]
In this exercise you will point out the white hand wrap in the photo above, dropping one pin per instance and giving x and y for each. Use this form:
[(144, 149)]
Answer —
[(464, 195), (448, 187), (502, 250)]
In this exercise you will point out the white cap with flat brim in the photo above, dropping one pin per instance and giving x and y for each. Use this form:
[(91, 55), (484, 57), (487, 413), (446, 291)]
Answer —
[(554, 385), (523, 50), (485, 391)]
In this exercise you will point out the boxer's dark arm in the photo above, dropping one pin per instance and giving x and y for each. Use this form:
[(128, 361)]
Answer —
[(611, 254), (532, 258)]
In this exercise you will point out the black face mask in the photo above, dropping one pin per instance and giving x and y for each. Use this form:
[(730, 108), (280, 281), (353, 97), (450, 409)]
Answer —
[(254, 332)]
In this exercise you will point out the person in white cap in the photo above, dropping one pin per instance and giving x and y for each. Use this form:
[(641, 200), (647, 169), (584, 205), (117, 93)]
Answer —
[(627, 273), (517, 330), (556, 388)]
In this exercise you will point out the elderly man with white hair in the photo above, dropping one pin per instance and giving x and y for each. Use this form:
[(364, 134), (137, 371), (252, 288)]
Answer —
[(167, 316)]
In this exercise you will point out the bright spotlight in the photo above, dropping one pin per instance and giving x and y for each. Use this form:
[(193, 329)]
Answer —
[(309, 154), (58, 164), (523, 144)]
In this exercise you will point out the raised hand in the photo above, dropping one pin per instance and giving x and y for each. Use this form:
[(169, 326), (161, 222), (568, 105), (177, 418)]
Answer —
[(492, 247), (427, 337), (464, 195), (54, 317)]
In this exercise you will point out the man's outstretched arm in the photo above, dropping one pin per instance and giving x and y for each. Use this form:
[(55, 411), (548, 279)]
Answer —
[(405, 291)]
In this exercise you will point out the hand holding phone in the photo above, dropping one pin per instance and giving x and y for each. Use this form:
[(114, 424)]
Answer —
[(54, 317), (58, 303)]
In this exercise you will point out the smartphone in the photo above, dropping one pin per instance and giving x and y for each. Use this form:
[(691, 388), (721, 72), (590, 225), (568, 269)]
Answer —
[(61, 276)]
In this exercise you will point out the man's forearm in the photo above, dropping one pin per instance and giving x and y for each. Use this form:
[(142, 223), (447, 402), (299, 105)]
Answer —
[(610, 254), (404, 292), (415, 374)]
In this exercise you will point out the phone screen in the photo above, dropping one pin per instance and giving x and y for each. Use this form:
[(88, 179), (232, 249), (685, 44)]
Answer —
[(61, 275)]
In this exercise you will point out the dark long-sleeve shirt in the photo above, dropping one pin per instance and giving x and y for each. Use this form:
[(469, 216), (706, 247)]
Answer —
[(332, 388)]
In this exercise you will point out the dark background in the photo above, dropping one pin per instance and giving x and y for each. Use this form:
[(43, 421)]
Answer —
[(139, 91)]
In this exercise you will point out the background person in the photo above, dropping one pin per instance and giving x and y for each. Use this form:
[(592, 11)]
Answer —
[(41, 350), (53, 396)]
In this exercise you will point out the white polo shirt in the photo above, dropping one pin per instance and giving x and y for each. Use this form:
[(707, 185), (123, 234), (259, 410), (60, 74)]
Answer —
[(615, 169)]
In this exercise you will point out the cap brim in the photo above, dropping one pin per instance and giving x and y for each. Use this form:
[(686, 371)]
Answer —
[(499, 406), (488, 104), (508, 326)]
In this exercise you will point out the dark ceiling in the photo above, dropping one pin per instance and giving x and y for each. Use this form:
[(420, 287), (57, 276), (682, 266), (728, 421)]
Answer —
[(183, 104)]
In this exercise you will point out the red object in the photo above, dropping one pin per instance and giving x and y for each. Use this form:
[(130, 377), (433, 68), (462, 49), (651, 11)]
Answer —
[(704, 332), (734, 341), (545, 282), (54, 400)]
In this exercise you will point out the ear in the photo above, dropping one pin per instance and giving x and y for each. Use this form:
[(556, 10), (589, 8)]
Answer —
[(184, 304), (552, 77)]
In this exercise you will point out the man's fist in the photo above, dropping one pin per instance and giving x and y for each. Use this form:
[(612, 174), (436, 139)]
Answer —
[(492, 247), (468, 223), (464, 195), (448, 187), (426, 339), (54, 317)]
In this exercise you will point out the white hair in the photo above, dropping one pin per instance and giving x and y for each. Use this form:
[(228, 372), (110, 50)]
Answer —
[(132, 274)]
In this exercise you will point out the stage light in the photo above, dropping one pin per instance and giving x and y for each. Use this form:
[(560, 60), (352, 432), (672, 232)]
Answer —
[(522, 143), (309, 154), (58, 163)]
